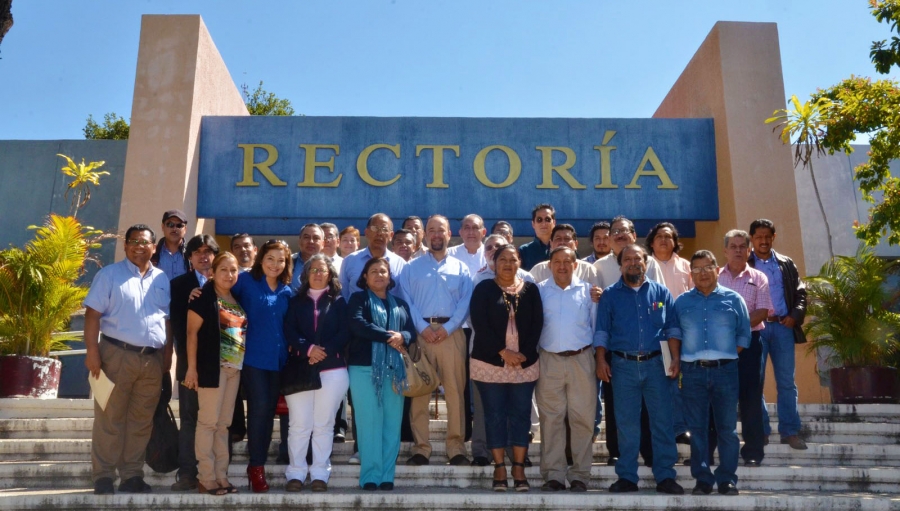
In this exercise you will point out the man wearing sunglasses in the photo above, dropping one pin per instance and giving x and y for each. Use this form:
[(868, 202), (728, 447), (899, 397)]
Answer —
[(543, 220), (169, 256)]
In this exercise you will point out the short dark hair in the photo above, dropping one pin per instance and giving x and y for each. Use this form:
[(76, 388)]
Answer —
[(257, 272), (541, 206), (622, 218), (504, 248), (563, 227), (310, 226), (761, 223), (412, 217), (403, 232), (198, 241), (633, 246), (599, 226), (564, 248), (140, 227), (655, 230), (499, 223), (361, 282), (701, 254), (241, 235)]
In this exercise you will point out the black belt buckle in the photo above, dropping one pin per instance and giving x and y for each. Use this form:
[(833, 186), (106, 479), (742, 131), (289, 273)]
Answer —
[(713, 363), (143, 350), (637, 358), (436, 320)]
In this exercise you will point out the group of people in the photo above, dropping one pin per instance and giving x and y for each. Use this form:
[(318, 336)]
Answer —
[(676, 348)]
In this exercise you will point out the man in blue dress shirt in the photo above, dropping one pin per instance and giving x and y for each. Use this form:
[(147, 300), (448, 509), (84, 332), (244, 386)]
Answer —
[(439, 289), (715, 327), (633, 316), (125, 325), (379, 231)]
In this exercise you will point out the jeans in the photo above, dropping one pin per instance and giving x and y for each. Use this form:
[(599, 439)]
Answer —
[(262, 387), (632, 381), (312, 417), (716, 388), (379, 438), (188, 406), (612, 429), (778, 342), (507, 413)]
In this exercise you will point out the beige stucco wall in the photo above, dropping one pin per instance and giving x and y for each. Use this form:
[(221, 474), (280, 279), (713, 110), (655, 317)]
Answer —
[(180, 78), (735, 78)]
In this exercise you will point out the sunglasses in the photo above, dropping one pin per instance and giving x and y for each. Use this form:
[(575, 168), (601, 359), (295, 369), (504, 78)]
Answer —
[(173, 225), (544, 219)]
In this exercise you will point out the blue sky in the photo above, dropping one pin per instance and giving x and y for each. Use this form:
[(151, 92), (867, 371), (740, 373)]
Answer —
[(66, 59)]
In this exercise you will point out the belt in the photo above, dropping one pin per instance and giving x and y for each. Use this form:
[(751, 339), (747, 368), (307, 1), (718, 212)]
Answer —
[(775, 319), (637, 358), (436, 320), (143, 350), (572, 353), (712, 363)]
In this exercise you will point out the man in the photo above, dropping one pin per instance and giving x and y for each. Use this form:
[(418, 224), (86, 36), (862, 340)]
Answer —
[(244, 249), (439, 288), (753, 286), (404, 244), (622, 234), (543, 220), (471, 250), (783, 329), (563, 235), (504, 229), (715, 327), (599, 242), (634, 315), (331, 240), (379, 231), (415, 225), (312, 241), (200, 251), (567, 386), (169, 255), (129, 303)]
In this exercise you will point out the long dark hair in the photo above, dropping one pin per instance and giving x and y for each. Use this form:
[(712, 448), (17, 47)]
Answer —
[(334, 284), (257, 272)]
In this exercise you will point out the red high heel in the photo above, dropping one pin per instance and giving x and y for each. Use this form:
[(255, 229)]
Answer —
[(257, 477)]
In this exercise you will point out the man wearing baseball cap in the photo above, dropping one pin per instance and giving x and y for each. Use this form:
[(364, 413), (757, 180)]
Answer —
[(169, 256)]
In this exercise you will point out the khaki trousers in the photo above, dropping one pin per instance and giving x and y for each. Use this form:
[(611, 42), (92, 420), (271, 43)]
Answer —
[(449, 360), (567, 386), (213, 419), (121, 432)]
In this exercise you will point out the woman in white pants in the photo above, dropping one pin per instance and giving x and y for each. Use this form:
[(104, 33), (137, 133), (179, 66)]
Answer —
[(315, 329)]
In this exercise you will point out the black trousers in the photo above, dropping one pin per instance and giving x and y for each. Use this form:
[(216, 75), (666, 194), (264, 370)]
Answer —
[(188, 407), (749, 398)]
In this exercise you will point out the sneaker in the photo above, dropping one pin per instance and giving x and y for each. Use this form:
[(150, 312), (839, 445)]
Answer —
[(354, 460), (701, 489), (795, 442), (622, 486), (418, 460), (728, 489), (135, 485), (669, 486), (104, 486)]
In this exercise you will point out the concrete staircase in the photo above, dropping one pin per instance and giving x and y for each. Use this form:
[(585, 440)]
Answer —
[(853, 462)]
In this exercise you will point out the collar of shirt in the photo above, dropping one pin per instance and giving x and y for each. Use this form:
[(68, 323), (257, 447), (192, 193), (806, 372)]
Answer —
[(201, 278)]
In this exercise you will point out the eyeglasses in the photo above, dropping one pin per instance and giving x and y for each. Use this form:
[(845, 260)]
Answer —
[(173, 225), (491, 248), (543, 219), (376, 230), (706, 269), (318, 271), (616, 232), (330, 237), (142, 243)]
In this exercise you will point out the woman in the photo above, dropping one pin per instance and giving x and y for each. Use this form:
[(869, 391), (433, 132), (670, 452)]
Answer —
[(215, 354), (507, 317), (349, 240), (264, 293), (380, 329), (316, 329), (663, 245)]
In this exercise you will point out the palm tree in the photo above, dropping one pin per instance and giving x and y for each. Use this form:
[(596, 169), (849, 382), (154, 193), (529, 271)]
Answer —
[(84, 176), (804, 126)]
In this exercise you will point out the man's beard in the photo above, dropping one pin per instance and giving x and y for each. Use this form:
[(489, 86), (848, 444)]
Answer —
[(632, 278), (437, 246)]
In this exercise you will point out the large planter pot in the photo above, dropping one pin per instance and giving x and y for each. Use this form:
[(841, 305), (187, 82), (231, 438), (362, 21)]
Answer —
[(860, 385), (35, 377)]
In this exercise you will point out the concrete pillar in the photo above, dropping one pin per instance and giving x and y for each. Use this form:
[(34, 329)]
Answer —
[(735, 78)]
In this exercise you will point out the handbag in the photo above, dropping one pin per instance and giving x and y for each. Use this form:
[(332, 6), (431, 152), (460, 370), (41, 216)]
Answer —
[(420, 376), (162, 449), (298, 375)]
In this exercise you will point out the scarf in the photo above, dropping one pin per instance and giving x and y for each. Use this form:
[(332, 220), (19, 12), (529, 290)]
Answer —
[(387, 363)]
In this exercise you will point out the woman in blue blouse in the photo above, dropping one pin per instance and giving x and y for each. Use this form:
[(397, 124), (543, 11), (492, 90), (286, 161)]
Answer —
[(380, 329), (263, 292)]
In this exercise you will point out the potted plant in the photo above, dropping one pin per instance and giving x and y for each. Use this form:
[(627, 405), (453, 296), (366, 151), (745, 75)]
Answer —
[(848, 316)]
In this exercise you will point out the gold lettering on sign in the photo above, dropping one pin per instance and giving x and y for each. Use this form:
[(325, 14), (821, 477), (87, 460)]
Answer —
[(311, 163), (437, 160), (515, 166), (562, 170), (605, 167), (656, 169), (263, 166), (362, 164)]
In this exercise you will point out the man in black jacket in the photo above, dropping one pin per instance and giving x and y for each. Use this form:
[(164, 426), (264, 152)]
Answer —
[(782, 330), (199, 252)]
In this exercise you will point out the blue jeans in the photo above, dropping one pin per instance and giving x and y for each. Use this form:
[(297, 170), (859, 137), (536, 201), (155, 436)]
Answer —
[(632, 381), (379, 434), (679, 424), (507, 413), (778, 342), (703, 388), (262, 388)]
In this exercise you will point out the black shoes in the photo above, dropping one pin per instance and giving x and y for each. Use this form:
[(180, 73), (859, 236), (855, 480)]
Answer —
[(728, 489), (623, 485), (386, 487), (577, 486), (553, 485), (457, 461), (104, 486), (702, 489), (612, 460), (184, 483), (417, 460), (669, 486), (370, 487), (752, 463), (480, 461), (684, 438), (135, 485)]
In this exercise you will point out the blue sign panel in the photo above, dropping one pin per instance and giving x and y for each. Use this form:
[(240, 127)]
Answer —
[(271, 174)]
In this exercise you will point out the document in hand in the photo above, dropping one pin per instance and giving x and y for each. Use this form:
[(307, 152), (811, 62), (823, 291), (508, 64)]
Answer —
[(666, 356), (101, 387)]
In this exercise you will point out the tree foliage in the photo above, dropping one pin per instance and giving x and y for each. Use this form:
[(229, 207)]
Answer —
[(83, 176), (262, 102), (113, 128), (6, 17)]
